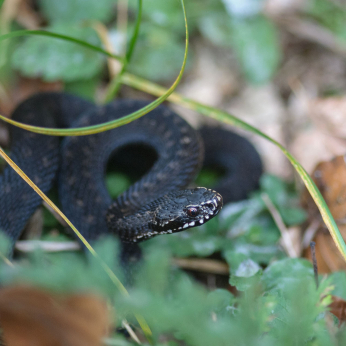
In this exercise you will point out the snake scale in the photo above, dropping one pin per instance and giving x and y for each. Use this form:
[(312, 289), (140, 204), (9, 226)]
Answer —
[(158, 203)]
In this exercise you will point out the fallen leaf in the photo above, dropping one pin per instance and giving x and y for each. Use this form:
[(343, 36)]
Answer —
[(330, 178), (338, 308), (32, 317)]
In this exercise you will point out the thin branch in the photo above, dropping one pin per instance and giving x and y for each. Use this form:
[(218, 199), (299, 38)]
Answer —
[(202, 265), (287, 241), (47, 246), (131, 332)]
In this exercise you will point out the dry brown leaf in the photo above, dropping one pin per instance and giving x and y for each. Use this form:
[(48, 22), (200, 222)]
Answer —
[(327, 255), (32, 317), (338, 308), (330, 178)]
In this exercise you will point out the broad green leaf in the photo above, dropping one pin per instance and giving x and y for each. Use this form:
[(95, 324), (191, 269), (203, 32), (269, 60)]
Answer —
[(220, 299), (158, 54), (286, 272), (69, 11), (293, 216), (274, 187), (338, 280), (84, 88), (216, 27), (243, 271), (256, 44), (163, 13), (59, 60)]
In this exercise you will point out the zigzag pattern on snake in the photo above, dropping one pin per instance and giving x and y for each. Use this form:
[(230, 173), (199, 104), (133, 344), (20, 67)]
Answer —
[(158, 203)]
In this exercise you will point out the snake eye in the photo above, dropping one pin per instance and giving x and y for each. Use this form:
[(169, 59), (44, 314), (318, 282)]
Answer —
[(192, 211)]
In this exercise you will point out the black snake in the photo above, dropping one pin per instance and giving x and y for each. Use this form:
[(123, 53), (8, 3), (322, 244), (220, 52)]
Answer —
[(158, 203)]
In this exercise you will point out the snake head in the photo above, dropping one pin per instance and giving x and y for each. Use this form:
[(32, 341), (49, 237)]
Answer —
[(183, 209)]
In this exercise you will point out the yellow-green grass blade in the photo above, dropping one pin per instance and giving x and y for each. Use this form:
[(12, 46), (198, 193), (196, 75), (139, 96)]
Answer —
[(88, 130), (20, 33), (104, 266), (115, 83), (227, 118)]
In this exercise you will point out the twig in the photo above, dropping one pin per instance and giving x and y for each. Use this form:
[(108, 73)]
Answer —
[(4, 96), (310, 232), (287, 241), (130, 331), (122, 19), (202, 265), (55, 214), (314, 261), (47, 246), (6, 260), (114, 66)]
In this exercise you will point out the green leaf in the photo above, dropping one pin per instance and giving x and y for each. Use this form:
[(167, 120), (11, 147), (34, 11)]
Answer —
[(69, 11), (243, 270), (162, 13), (274, 187), (220, 299), (117, 183), (86, 88), (329, 14), (256, 44), (158, 54), (293, 216), (5, 244), (338, 279), (286, 272), (216, 27), (59, 60)]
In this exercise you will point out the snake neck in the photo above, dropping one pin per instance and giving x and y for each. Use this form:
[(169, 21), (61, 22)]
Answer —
[(137, 226)]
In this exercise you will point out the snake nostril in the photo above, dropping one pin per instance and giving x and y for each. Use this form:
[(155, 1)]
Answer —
[(211, 206)]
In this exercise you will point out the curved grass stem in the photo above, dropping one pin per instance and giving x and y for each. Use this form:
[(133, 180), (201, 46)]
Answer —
[(102, 263), (88, 130), (154, 89), (115, 83)]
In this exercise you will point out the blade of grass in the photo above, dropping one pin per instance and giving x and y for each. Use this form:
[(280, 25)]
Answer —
[(104, 266), (227, 118), (115, 84), (88, 130), (20, 33)]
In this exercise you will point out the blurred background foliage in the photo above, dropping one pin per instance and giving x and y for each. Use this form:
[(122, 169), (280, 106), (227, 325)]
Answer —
[(242, 27), (235, 279)]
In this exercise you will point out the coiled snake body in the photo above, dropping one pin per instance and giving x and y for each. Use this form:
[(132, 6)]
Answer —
[(157, 203)]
